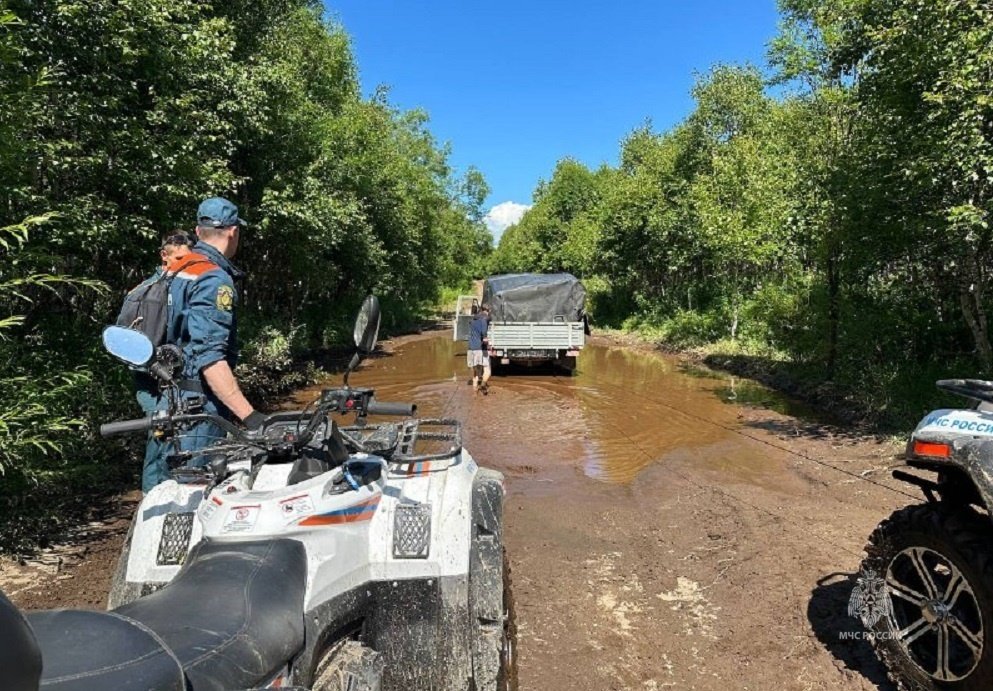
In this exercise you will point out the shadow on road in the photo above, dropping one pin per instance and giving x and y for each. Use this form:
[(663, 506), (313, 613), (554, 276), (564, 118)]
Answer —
[(827, 612)]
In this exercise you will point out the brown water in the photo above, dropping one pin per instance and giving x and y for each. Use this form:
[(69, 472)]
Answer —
[(663, 527), (623, 410)]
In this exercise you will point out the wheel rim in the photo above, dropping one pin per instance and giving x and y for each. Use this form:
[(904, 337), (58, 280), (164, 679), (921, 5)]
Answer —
[(934, 614)]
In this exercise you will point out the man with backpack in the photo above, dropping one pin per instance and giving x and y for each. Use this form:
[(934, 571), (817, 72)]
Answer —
[(200, 320), (175, 245), (137, 305)]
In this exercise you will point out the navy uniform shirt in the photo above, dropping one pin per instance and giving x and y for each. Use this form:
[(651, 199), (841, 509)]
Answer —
[(202, 302), (477, 331)]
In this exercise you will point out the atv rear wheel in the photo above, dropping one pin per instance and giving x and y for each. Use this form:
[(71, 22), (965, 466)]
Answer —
[(349, 666), (935, 627)]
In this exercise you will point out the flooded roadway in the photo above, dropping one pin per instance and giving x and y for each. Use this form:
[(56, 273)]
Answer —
[(666, 527)]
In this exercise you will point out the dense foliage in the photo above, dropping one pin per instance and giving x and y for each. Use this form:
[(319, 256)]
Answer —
[(840, 227), (117, 117)]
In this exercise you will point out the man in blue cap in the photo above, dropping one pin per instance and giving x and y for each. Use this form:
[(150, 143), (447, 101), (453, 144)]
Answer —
[(202, 302)]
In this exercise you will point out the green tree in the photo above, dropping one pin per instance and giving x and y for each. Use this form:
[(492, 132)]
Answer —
[(148, 106)]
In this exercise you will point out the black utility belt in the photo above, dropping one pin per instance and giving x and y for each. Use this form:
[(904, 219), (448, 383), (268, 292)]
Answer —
[(190, 385)]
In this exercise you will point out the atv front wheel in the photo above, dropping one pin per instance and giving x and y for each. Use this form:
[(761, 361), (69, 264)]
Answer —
[(933, 627)]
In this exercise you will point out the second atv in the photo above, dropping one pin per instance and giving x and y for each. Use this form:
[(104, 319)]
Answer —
[(932, 620)]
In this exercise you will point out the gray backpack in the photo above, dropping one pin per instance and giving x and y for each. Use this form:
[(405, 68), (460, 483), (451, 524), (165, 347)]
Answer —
[(146, 308)]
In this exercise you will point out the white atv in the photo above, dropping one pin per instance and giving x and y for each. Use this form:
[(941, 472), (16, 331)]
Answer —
[(366, 558), (926, 589)]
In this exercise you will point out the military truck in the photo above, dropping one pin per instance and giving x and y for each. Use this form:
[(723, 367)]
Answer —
[(535, 318)]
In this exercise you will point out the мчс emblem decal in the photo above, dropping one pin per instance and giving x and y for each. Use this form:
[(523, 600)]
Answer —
[(225, 298), (869, 600)]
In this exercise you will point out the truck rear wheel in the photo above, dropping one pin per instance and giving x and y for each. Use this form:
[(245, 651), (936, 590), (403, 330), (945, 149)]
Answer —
[(567, 362)]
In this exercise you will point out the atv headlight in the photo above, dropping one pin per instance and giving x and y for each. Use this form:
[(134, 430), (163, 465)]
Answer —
[(412, 531)]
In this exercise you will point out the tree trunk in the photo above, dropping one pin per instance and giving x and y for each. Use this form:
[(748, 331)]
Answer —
[(834, 313), (971, 300)]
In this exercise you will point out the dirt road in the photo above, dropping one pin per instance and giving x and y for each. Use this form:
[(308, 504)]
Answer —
[(666, 527)]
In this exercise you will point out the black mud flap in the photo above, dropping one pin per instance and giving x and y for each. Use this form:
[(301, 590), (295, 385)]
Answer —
[(486, 579)]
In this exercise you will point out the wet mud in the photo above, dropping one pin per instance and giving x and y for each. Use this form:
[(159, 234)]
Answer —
[(666, 527)]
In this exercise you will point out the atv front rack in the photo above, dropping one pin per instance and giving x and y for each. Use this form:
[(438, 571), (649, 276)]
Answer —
[(437, 430), (399, 443)]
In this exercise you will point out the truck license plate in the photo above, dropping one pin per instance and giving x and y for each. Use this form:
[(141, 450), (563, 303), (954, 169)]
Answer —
[(532, 353)]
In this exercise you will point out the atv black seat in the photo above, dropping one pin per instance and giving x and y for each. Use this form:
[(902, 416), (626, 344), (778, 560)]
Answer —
[(83, 651), (20, 656), (233, 616)]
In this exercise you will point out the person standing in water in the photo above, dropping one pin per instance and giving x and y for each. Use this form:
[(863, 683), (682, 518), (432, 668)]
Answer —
[(478, 355)]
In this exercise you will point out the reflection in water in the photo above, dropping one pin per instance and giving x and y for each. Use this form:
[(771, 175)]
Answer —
[(751, 393), (638, 411), (622, 411)]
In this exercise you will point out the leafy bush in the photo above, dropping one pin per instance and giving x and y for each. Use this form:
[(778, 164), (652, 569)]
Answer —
[(775, 314), (117, 117), (606, 304), (272, 364), (685, 329)]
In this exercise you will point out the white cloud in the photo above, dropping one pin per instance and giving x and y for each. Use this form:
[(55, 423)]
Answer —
[(502, 216)]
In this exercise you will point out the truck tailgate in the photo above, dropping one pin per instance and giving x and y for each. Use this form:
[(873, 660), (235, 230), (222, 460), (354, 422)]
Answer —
[(537, 335)]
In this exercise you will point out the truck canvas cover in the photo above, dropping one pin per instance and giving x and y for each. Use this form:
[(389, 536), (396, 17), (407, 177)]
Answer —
[(534, 297)]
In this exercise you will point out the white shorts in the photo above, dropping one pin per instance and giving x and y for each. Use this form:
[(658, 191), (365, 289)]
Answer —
[(475, 358)]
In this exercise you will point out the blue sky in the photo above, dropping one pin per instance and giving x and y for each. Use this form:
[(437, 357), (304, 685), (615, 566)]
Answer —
[(515, 86)]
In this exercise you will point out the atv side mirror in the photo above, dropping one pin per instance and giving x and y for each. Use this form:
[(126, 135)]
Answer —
[(127, 345), (367, 325), (366, 332)]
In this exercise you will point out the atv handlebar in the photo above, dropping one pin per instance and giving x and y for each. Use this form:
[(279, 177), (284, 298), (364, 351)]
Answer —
[(359, 401), (375, 407), (126, 426), (163, 420)]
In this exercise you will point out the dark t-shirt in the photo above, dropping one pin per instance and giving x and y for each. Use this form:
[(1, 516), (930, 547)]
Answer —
[(477, 332)]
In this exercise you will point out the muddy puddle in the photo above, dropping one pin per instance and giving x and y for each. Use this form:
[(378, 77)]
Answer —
[(621, 411), (664, 527)]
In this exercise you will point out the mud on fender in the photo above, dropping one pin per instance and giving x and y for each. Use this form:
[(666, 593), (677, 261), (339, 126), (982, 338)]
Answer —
[(487, 505), (486, 551)]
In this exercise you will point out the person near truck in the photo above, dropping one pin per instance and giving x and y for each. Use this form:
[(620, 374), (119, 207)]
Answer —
[(478, 355), (202, 302)]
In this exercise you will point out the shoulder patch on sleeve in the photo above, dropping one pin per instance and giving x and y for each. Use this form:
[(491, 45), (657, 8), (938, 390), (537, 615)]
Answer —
[(225, 298)]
